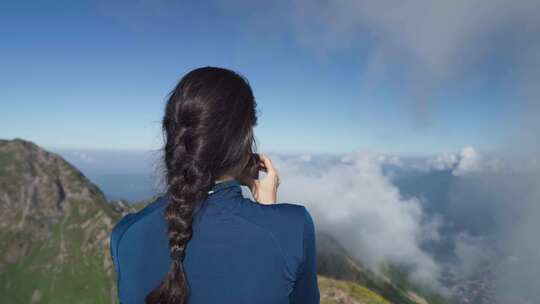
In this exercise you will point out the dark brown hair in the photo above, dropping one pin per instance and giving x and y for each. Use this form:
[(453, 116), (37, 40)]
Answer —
[(208, 131)]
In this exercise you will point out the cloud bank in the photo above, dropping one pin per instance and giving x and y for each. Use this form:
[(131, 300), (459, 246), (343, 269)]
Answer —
[(494, 207), (357, 204), (426, 44)]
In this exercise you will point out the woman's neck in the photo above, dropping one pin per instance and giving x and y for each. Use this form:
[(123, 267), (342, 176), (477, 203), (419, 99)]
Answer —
[(224, 178)]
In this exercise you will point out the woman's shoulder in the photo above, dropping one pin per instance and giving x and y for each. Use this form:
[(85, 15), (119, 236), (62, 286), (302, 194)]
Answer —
[(295, 212), (297, 216), (288, 223), (287, 212), (286, 220)]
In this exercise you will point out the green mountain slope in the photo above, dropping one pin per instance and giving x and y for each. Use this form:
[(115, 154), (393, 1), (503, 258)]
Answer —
[(55, 226), (344, 292)]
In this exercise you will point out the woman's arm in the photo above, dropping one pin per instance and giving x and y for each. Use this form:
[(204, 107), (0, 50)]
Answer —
[(306, 288)]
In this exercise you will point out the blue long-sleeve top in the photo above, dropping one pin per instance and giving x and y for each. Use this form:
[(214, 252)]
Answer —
[(241, 251)]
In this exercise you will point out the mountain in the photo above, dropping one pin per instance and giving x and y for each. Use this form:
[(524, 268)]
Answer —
[(55, 226)]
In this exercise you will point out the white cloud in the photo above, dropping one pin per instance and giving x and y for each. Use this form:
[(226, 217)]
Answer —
[(439, 36), (445, 161), (470, 161), (362, 208), (425, 44)]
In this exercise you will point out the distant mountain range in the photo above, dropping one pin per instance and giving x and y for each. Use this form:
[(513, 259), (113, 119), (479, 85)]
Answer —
[(55, 226)]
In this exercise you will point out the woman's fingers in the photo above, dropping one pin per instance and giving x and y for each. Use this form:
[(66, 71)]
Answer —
[(264, 190), (262, 167), (261, 162), (268, 165)]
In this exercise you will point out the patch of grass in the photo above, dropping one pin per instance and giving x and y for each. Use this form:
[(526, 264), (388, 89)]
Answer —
[(335, 292), (10, 171), (60, 274)]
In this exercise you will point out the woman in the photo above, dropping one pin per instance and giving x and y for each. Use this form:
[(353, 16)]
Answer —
[(203, 242)]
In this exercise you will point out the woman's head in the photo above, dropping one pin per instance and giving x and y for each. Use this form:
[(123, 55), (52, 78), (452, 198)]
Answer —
[(208, 129)]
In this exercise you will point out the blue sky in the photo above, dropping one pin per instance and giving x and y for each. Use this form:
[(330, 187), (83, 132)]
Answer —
[(91, 74)]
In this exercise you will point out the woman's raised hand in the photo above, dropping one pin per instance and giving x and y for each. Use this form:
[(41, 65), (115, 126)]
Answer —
[(264, 190)]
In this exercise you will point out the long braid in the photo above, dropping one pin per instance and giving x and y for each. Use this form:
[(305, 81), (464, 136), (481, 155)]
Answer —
[(208, 130), (189, 183)]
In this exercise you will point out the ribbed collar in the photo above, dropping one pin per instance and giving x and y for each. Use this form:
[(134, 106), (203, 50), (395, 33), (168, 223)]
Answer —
[(231, 184)]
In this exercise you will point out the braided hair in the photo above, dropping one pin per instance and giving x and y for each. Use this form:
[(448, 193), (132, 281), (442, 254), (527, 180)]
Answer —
[(208, 130)]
